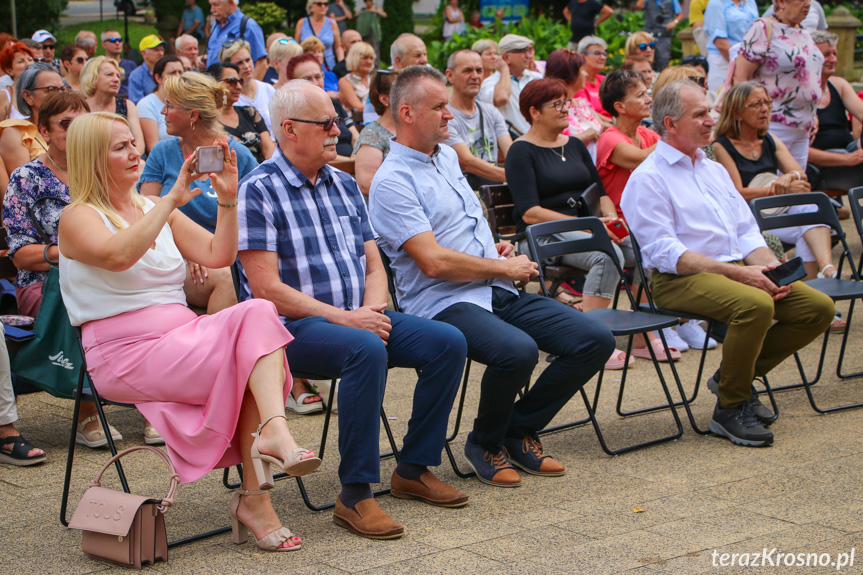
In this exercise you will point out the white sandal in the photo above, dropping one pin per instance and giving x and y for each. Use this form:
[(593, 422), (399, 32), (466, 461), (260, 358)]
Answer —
[(299, 406)]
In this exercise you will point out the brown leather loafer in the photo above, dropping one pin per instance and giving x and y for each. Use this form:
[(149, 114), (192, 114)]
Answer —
[(428, 488), (367, 519)]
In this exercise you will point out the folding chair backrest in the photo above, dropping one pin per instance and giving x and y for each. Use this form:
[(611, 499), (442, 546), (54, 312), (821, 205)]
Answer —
[(391, 280), (825, 214), (498, 201), (855, 196)]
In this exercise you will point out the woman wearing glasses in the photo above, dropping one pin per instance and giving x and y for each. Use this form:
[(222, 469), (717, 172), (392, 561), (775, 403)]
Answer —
[(243, 123), (752, 156), (307, 67), (642, 44), (150, 106), (726, 22), (255, 93), (100, 84), (193, 103), (546, 172), (595, 52), (584, 122), (14, 59), (20, 140), (72, 58), (324, 29)]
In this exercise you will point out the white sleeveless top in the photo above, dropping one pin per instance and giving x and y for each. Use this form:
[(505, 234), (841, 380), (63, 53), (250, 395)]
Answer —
[(92, 293)]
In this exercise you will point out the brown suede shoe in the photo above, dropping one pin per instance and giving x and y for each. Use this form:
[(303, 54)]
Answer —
[(367, 519), (528, 455), (428, 488)]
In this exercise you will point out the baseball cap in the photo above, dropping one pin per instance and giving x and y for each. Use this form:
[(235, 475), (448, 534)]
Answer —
[(150, 41), (512, 42), (42, 35)]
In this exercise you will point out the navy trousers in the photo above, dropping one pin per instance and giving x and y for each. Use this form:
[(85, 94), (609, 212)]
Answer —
[(507, 340), (361, 359)]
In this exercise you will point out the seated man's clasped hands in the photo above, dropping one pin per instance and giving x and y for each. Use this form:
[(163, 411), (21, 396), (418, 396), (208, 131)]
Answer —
[(121, 277), (306, 244), (698, 233), (448, 268)]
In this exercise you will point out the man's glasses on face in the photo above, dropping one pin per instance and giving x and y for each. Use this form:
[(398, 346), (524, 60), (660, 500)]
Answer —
[(48, 46), (327, 124), (51, 89), (114, 40), (645, 45), (39, 60), (700, 80)]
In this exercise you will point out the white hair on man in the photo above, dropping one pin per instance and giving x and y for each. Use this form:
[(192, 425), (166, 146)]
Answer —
[(399, 47), (178, 43), (289, 101), (669, 103)]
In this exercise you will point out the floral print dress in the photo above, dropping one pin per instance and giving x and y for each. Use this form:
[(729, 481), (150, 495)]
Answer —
[(27, 184), (790, 70), (581, 119)]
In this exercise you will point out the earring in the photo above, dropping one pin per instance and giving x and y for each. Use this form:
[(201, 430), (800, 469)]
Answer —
[(191, 123)]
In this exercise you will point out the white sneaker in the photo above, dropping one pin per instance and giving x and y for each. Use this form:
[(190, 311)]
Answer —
[(693, 334), (674, 340)]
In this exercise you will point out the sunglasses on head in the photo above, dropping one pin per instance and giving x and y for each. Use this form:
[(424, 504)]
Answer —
[(229, 43), (114, 40), (286, 41), (48, 46), (700, 80), (233, 81), (645, 45), (327, 124)]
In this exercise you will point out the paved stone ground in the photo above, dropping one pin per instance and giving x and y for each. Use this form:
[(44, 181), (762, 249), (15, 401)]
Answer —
[(698, 495)]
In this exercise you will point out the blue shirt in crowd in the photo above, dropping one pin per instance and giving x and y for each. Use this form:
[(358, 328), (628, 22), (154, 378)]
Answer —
[(724, 19), (413, 193), (318, 231), (192, 16), (128, 67), (141, 83), (163, 165), (219, 35)]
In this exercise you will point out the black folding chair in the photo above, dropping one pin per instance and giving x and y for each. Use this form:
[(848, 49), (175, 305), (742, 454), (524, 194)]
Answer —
[(837, 289), (235, 275), (855, 197), (620, 322)]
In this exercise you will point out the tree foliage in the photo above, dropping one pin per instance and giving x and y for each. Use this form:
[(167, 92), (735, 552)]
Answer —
[(400, 19), (32, 16)]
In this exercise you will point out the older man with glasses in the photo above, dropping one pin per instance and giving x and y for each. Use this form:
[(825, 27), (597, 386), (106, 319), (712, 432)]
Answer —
[(307, 245)]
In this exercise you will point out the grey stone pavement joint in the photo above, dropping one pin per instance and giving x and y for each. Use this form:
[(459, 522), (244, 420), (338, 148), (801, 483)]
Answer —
[(662, 510)]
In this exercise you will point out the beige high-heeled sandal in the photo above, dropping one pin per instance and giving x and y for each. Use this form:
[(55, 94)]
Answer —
[(270, 542), (293, 465)]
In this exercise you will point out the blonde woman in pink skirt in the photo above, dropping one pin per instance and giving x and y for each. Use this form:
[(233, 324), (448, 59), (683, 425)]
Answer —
[(213, 386)]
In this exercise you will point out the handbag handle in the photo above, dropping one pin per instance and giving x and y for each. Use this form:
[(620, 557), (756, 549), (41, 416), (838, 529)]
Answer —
[(168, 500)]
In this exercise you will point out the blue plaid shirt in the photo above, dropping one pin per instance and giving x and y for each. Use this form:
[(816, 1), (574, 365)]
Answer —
[(317, 231)]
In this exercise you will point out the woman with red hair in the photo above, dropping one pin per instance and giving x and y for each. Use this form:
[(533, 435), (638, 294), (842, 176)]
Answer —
[(14, 59)]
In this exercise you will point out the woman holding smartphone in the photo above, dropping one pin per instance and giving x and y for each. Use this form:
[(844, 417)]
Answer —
[(193, 103), (216, 392)]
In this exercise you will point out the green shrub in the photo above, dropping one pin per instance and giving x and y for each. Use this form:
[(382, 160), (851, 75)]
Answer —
[(32, 16), (268, 15), (137, 31), (400, 19)]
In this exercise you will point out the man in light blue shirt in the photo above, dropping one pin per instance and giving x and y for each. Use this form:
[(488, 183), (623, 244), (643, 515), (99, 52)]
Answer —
[(726, 22), (229, 26), (192, 21), (448, 268)]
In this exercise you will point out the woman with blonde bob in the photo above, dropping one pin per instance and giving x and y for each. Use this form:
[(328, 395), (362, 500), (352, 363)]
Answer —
[(100, 83), (761, 165), (193, 104), (354, 86), (642, 44), (218, 377)]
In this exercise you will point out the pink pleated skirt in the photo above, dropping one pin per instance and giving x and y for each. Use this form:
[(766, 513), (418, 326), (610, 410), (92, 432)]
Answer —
[(186, 374)]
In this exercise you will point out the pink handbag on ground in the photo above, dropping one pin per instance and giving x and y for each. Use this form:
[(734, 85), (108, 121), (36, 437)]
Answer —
[(122, 527)]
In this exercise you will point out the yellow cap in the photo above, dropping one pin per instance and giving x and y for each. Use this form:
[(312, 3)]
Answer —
[(150, 41)]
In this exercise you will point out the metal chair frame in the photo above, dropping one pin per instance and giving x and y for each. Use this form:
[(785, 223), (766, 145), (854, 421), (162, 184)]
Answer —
[(836, 289), (620, 322)]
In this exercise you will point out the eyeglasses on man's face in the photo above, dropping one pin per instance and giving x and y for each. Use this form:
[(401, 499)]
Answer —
[(48, 46), (327, 124), (51, 89), (700, 80), (114, 40)]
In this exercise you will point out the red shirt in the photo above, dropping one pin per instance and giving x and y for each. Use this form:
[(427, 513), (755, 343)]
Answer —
[(590, 93), (614, 177)]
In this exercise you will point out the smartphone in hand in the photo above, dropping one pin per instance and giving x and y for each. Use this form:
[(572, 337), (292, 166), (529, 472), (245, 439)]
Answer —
[(617, 228), (787, 273), (209, 159)]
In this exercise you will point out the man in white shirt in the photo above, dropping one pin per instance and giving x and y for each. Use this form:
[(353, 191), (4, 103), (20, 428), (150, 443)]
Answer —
[(699, 235), (504, 90), (407, 50), (477, 130)]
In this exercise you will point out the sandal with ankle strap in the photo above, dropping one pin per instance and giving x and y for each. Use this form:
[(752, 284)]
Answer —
[(294, 465), (270, 542)]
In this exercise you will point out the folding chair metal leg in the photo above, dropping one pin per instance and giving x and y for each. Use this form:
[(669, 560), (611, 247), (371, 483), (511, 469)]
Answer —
[(447, 444)]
